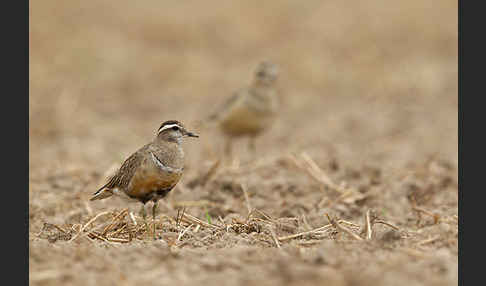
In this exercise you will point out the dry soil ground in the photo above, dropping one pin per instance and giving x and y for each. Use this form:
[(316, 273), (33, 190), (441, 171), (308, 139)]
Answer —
[(355, 184)]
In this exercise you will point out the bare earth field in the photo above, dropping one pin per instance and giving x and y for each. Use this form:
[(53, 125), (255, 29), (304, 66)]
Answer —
[(355, 184)]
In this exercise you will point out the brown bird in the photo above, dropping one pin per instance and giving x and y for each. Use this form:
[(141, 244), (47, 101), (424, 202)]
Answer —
[(152, 172), (250, 110)]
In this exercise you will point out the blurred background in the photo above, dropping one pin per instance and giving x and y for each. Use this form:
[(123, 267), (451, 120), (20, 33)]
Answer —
[(362, 82)]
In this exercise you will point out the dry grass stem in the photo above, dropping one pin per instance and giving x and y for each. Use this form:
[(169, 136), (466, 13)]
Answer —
[(322, 228), (95, 235), (194, 220), (221, 220), (430, 240), (368, 225), (59, 228), (181, 234), (266, 216), (247, 199), (88, 223), (114, 220), (342, 221), (210, 174), (310, 167), (387, 224), (343, 195), (132, 217), (341, 228), (274, 236), (318, 174), (88, 208), (111, 235), (435, 216)]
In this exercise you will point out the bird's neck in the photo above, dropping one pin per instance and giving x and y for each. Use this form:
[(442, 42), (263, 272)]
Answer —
[(262, 91), (262, 85), (170, 153)]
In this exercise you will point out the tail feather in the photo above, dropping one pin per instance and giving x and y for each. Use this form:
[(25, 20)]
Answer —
[(102, 193)]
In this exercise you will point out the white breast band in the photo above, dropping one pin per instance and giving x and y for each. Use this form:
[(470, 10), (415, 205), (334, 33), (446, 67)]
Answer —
[(164, 167)]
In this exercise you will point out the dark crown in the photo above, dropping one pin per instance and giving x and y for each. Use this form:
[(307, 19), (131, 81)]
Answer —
[(171, 122), (266, 68)]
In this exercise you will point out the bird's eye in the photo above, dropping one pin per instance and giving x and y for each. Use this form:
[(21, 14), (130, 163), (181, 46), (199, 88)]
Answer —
[(175, 128)]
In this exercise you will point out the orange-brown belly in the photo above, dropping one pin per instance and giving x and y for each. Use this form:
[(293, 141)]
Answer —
[(145, 182), (243, 121)]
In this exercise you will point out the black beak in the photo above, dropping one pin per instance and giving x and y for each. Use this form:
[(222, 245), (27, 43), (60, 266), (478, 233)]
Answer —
[(190, 134)]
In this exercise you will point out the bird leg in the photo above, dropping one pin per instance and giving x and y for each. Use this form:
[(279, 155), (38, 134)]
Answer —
[(252, 144), (144, 215), (228, 147), (154, 210), (228, 151)]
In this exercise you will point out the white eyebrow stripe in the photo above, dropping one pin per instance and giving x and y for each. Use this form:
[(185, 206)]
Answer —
[(168, 126), (164, 167)]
